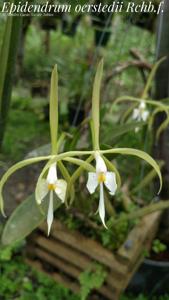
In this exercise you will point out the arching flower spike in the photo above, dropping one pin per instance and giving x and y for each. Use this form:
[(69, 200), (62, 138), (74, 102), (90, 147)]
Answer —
[(100, 178)]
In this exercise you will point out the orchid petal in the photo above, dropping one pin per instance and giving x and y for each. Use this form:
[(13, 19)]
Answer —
[(145, 115), (142, 105), (100, 164), (92, 182), (110, 182), (41, 190), (60, 189), (101, 205), (50, 212), (52, 174), (135, 114)]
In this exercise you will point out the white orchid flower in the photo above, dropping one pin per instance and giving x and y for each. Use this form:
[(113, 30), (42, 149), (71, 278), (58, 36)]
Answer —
[(100, 178), (140, 113), (51, 185)]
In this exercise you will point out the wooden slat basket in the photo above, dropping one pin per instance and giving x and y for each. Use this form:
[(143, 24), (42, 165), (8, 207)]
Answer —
[(68, 253)]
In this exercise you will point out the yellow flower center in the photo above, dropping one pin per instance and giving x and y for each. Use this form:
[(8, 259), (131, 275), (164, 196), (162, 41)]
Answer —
[(101, 177), (51, 187)]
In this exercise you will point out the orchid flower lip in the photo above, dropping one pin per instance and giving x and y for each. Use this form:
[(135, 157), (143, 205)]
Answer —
[(50, 212)]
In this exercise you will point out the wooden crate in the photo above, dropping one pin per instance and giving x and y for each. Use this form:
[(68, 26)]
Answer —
[(68, 253)]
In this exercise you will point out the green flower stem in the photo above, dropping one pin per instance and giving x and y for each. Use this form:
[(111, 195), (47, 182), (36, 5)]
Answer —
[(73, 178), (63, 170), (61, 141), (141, 212), (152, 102), (67, 177)]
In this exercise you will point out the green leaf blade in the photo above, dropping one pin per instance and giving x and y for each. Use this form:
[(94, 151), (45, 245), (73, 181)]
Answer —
[(53, 113), (25, 218), (96, 104)]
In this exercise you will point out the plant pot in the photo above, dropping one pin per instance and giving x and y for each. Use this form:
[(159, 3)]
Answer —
[(151, 278), (66, 254)]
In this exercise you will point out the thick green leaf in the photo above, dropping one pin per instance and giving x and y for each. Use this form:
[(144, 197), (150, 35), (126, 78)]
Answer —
[(96, 104), (53, 112), (4, 54), (25, 218), (8, 57)]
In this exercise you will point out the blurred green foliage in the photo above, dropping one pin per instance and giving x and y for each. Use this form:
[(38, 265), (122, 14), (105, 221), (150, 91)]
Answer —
[(25, 126), (75, 54), (21, 282), (158, 246), (91, 278)]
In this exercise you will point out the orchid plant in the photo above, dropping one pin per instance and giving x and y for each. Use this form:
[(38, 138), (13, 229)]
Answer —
[(49, 188)]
